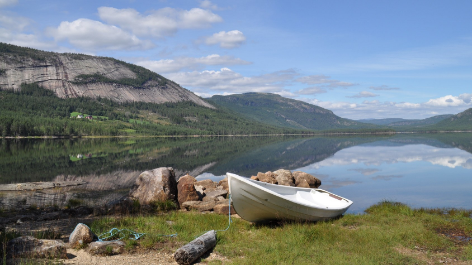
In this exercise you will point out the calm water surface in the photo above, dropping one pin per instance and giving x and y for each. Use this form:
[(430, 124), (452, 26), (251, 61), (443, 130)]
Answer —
[(419, 170)]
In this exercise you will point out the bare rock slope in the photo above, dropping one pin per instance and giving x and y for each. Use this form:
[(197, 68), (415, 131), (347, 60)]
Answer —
[(76, 75)]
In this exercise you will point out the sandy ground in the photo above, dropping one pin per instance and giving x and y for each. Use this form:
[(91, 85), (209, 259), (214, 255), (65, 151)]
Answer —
[(151, 257)]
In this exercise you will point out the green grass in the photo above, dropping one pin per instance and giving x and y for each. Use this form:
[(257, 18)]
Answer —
[(390, 233)]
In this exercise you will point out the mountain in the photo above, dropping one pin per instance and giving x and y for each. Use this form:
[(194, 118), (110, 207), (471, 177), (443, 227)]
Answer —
[(407, 122), (78, 75), (423, 122), (386, 121), (461, 121), (276, 110)]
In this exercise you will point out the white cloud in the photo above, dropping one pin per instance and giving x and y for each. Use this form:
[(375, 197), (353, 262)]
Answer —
[(8, 3), (467, 98), (208, 5), (311, 91), (386, 177), (376, 155), (377, 109), (159, 23), (94, 35), (364, 94), (227, 40), (449, 101), (26, 40), (384, 87), (214, 82), (323, 80), (179, 63), (365, 171), (13, 22)]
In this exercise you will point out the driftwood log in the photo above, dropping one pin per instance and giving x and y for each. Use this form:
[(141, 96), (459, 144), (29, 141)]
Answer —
[(195, 249)]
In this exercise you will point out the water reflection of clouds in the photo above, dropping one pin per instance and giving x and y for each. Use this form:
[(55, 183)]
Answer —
[(329, 182), (387, 177), (365, 171), (378, 155)]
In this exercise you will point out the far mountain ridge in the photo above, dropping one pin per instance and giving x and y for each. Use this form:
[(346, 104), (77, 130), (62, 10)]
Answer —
[(460, 121), (407, 122), (276, 110)]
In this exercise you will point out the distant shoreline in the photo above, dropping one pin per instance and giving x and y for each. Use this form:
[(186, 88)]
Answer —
[(228, 135)]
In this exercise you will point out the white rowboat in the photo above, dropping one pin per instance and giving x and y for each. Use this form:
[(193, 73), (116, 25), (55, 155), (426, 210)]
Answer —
[(257, 201)]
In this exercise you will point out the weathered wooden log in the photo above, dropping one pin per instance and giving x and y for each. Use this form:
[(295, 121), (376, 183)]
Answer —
[(193, 250)]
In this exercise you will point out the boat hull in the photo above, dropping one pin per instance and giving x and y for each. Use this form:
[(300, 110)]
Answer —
[(257, 201)]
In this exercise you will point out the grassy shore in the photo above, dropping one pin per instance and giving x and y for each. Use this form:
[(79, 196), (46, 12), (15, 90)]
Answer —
[(389, 233)]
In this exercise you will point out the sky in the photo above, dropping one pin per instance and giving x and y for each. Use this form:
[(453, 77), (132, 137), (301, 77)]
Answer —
[(360, 59)]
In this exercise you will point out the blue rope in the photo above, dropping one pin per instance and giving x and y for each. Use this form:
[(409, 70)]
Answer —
[(126, 233), (229, 215), (115, 231)]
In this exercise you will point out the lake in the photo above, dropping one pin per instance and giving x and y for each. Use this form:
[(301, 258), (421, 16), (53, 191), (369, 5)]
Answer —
[(433, 170)]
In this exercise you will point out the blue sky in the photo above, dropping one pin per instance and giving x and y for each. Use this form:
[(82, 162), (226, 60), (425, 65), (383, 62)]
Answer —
[(360, 59)]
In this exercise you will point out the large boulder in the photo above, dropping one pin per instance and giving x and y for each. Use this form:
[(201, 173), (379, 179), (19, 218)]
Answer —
[(268, 177), (186, 189), (284, 177), (300, 177), (30, 247), (81, 235), (155, 185)]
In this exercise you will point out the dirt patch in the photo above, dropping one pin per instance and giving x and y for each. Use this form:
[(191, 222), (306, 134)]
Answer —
[(422, 255), (150, 257), (459, 236)]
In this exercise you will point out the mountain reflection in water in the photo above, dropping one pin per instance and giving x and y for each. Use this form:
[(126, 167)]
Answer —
[(420, 170)]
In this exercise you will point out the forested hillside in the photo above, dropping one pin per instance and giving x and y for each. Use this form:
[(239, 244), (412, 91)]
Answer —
[(461, 121), (405, 123), (35, 111), (275, 110)]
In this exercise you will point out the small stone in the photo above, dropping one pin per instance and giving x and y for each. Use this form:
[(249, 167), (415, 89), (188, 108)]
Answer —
[(200, 206), (212, 195), (267, 177), (208, 184), (223, 209), (106, 248), (312, 181), (81, 235), (303, 184), (200, 191), (284, 177), (224, 184), (187, 192)]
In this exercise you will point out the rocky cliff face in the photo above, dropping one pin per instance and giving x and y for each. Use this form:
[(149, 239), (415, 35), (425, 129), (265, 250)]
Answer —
[(63, 74)]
